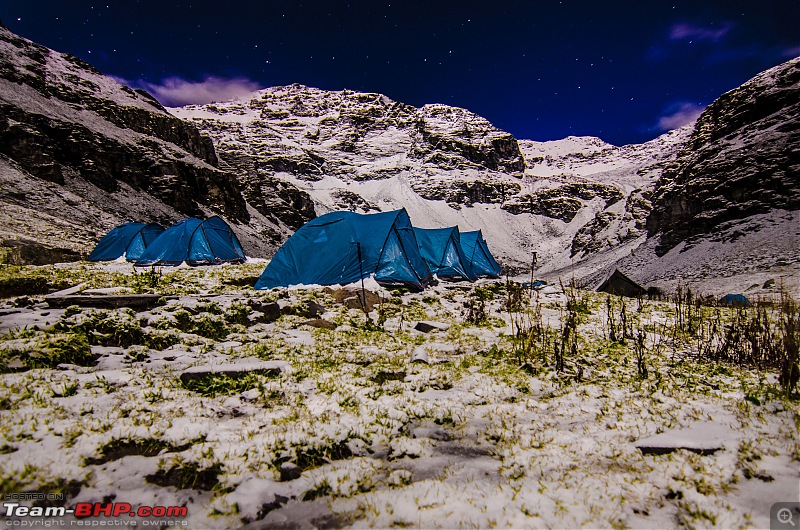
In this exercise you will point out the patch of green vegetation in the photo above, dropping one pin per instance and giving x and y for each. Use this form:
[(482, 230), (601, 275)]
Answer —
[(383, 376), (32, 478), (226, 385), (113, 328), (323, 489), (414, 310), (19, 286), (122, 447), (308, 457), (66, 389), (205, 324), (187, 475), (50, 351), (238, 313)]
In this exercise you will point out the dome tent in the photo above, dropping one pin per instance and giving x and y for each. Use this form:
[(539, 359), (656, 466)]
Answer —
[(344, 247), (195, 242), (129, 240), (477, 252), (619, 284), (735, 300), (441, 249)]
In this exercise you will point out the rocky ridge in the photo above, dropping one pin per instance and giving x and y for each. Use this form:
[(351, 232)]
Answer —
[(80, 153), (742, 159), (447, 166)]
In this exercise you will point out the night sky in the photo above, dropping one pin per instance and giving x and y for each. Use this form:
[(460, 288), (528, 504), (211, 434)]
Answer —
[(624, 71)]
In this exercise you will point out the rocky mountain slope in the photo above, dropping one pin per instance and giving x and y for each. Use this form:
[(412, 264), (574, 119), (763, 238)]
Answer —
[(729, 205), (742, 159), (445, 165), (80, 153)]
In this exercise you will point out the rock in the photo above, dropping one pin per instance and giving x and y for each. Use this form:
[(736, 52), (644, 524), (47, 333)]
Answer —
[(15, 364), (740, 160), (313, 309), (267, 313), (290, 471), (420, 355), (428, 326), (232, 403), (235, 370), (351, 299), (107, 301), (563, 202), (250, 395), (227, 345), (277, 502), (319, 323), (24, 251), (702, 438)]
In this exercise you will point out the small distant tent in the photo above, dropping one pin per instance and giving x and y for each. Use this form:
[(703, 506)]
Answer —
[(477, 252), (619, 284), (344, 247), (195, 242), (129, 240), (735, 300), (441, 250)]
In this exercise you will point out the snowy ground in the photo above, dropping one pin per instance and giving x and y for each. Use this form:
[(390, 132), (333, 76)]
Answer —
[(344, 430)]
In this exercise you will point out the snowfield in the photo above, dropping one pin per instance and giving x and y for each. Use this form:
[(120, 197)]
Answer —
[(324, 421)]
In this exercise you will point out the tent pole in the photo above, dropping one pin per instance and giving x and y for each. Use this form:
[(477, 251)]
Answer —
[(533, 266), (361, 270)]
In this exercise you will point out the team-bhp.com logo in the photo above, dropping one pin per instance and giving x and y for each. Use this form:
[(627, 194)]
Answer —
[(89, 513)]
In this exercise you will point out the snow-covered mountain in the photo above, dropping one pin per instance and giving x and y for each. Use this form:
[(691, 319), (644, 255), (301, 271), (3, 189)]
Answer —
[(729, 206), (80, 153), (742, 159), (445, 165)]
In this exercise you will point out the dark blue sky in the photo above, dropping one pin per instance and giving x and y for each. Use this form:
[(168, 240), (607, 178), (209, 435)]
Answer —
[(625, 71)]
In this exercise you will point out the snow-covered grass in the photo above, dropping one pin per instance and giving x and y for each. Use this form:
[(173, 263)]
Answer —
[(527, 414)]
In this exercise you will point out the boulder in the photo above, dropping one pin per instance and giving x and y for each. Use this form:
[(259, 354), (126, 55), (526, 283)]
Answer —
[(235, 369), (702, 438), (426, 326)]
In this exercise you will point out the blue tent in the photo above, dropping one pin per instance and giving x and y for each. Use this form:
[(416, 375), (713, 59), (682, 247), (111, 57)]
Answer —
[(129, 240), (344, 247), (196, 242), (735, 300), (478, 255), (441, 249)]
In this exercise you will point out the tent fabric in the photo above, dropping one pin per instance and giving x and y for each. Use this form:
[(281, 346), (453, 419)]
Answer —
[(619, 284), (195, 242), (441, 250), (129, 240), (735, 300), (477, 252), (344, 247)]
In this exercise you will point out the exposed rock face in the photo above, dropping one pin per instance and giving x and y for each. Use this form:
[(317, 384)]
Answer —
[(120, 153), (297, 133), (742, 159), (60, 113), (602, 191), (445, 165), (80, 153), (562, 202)]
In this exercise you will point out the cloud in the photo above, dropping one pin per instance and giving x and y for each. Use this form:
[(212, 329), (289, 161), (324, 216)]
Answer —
[(678, 115), (791, 52), (685, 31), (175, 91)]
